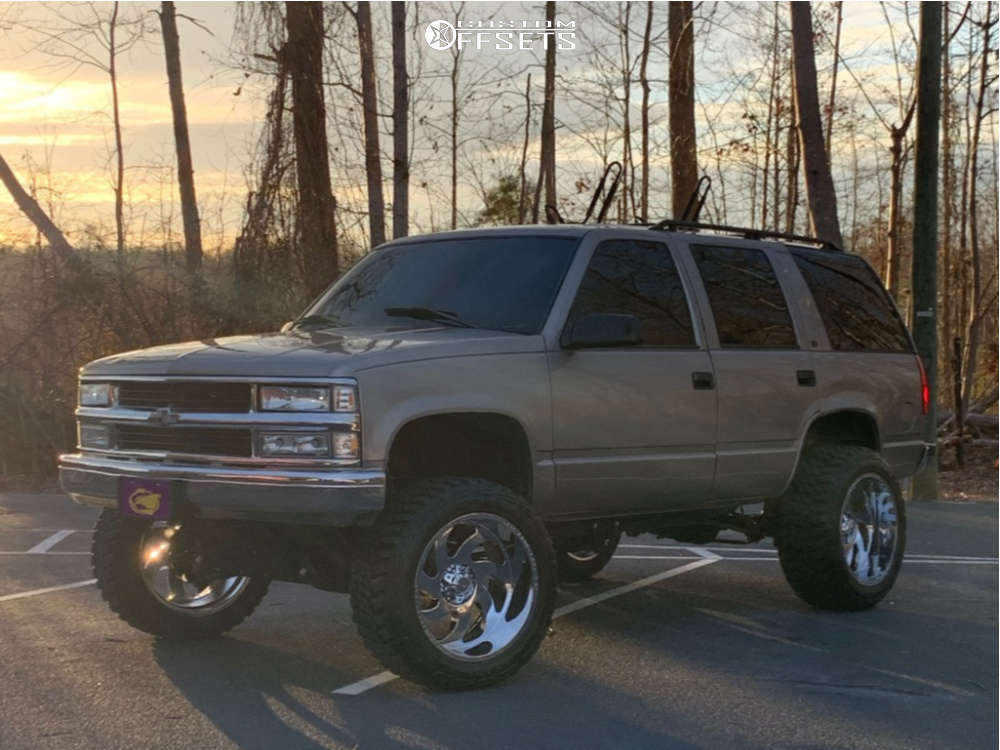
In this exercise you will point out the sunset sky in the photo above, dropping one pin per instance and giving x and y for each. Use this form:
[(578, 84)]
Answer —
[(55, 128)]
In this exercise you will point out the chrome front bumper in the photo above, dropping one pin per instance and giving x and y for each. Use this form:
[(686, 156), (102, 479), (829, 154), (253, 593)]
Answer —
[(333, 497)]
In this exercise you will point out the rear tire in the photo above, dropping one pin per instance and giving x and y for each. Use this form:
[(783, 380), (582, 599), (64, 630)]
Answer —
[(123, 549), (841, 528), (580, 563), (437, 610)]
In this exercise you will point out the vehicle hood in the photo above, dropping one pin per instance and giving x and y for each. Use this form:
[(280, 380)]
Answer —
[(310, 353)]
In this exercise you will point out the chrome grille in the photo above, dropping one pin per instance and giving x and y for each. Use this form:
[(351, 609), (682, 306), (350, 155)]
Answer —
[(186, 396)]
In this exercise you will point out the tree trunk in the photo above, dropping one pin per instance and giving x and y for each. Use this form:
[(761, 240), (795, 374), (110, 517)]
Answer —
[(627, 172), (548, 149), (400, 125), (975, 303), (455, 71), (316, 210), (833, 81), (683, 150), (792, 158), (117, 124), (644, 83), (522, 205), (185, 171), (822, 198), (373, 157), (30, 208)]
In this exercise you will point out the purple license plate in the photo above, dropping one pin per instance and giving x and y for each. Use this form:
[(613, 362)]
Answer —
[(144, 498)]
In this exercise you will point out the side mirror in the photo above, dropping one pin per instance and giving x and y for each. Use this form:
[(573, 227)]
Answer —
[(596, 330), (287, 326)]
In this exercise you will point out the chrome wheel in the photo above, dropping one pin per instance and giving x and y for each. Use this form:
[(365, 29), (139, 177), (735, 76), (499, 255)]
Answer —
[(476, 586), (869, 529), (174, 587)]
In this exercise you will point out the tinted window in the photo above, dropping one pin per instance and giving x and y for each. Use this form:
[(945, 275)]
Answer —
[(637, 278), (498, 283), (749, 307), (852, 302)]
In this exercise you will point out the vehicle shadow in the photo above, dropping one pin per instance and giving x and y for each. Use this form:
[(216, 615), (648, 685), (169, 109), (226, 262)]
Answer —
[(260, 696)]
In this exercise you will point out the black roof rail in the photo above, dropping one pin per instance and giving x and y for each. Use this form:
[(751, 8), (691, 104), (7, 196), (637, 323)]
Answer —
[(745, 232)]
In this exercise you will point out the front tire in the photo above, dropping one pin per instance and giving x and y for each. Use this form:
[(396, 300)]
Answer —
[(455, 585), (140, 579), (841, 528)]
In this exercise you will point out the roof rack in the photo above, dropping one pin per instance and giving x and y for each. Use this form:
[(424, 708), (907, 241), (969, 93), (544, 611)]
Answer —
[(745, 232)]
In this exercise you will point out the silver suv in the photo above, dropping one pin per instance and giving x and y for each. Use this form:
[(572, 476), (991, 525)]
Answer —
[(465, 418)]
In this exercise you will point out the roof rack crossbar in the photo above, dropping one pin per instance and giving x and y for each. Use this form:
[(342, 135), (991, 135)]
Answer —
[(745, 232)]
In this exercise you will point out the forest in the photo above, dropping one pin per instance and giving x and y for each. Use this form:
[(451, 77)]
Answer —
[(370, 121)]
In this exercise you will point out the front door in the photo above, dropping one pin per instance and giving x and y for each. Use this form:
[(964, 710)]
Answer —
[(634, 427)]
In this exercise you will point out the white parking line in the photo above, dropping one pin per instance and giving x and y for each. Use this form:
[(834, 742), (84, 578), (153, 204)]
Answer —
[(50, 589), (49, 542), (705, 557), (15, 554)]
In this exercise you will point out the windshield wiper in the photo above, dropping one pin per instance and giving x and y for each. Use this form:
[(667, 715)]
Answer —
[(314, 320), (444, 317)]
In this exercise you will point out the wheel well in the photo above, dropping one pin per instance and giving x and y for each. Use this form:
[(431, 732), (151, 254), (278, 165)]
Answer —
[(845, 428), (476, 444)]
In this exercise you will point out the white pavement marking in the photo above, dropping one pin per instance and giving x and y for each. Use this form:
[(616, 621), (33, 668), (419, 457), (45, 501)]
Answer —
[(50, 589), (705, 558), (48, 543), (629, 587), (356, 688), (43, 553)]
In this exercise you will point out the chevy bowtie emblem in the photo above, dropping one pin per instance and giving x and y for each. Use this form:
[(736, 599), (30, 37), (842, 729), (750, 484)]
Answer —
[(164, 416)]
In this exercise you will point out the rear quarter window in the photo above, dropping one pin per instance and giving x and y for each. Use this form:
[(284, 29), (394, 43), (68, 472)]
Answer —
[(855, 307)]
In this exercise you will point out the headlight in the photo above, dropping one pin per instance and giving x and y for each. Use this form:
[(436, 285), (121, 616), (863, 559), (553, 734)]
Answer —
[(295, 444), (289, 398), (93, 435), (96, 394)]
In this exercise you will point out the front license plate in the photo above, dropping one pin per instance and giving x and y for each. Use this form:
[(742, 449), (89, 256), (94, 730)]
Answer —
[(144, 498)]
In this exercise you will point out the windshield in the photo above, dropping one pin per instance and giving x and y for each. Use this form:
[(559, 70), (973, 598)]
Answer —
[(496, 283)]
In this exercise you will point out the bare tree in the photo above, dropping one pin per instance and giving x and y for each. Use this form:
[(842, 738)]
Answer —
[(683, 143), (316, 228), (547, 161), (185, 170), (644, 114), (400, 124), (369, 96), (30, 208), (986, 84), (822, 198), (522, 203)]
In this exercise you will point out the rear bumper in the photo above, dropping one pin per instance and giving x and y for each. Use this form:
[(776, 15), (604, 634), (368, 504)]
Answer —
[(333, 497)]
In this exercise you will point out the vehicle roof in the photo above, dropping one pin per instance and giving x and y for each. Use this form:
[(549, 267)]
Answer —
[(579, 230)]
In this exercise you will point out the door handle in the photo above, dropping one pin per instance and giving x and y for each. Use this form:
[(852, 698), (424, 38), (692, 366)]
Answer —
[(702, 381), (806, 378)]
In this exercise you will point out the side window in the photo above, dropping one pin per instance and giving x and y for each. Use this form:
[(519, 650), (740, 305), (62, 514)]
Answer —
[(747, 302), (638, 278), (852, 302)]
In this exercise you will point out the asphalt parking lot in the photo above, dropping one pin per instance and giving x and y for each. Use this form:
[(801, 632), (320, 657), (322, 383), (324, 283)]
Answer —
[(672, 646)]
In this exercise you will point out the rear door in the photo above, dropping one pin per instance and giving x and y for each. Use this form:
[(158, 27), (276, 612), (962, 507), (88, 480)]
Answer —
[(868, 361), (634, 427), (767, 384)]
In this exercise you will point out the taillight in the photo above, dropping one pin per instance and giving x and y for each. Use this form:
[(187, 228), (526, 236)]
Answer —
[(925, 388)]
